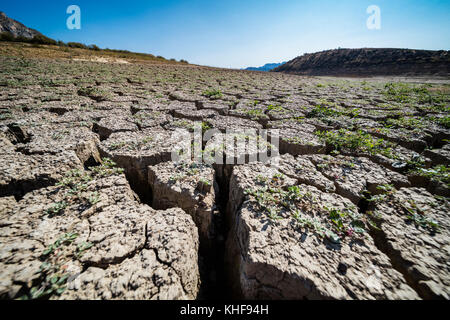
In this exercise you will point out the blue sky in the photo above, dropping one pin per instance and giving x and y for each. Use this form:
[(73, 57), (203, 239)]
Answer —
[(239, 33)]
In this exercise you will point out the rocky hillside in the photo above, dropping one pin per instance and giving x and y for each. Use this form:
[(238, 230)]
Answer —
[(16, 28), (369, 62)]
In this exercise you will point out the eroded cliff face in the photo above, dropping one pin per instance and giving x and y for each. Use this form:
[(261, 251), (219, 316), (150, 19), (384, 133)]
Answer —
[(370, 62)]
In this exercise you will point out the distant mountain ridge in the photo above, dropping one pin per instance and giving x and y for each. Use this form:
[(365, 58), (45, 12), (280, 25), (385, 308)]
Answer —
[(369, 62), (266, 67), (16, 28)]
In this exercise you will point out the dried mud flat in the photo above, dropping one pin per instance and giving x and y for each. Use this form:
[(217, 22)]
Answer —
[(92, 207)]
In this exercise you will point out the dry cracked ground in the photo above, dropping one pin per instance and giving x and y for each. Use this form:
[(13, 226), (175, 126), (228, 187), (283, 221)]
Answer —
[(92, 207)]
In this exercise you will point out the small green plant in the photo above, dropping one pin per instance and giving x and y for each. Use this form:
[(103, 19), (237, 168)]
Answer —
[(444, 121), (359, 141), (94, 93), (57, 136), (254, 114), (322, 111), (107, 168), (212, 94), (352, 113), (275, 108), (418, 216), (294, 193), (94, 198), (407, 93), (385, 188), (296, 202), (273, 216), (437, 173), (56, 208), (53, 283), (421, 221), (321, 166), (205, 126), (405, 122), (82, 247), (346, 223), (75, 181), (260, 179), (193, 172), (183, 123), (66, 239), (313, 224), (7, 115), (278, 176), (295, 140), (414, 163), (117, 145), (204, 182), (373, 217), (176, 177), (381, 194), (147, 140), (53, 273)]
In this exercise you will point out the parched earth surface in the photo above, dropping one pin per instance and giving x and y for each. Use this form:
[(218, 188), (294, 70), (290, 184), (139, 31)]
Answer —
[(352, 204)]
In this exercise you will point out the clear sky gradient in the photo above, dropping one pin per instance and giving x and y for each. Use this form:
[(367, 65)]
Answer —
[(239, 33)]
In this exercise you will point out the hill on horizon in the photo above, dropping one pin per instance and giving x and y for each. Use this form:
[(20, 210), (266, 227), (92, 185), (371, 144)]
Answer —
[(266, 67), (369, 62)]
